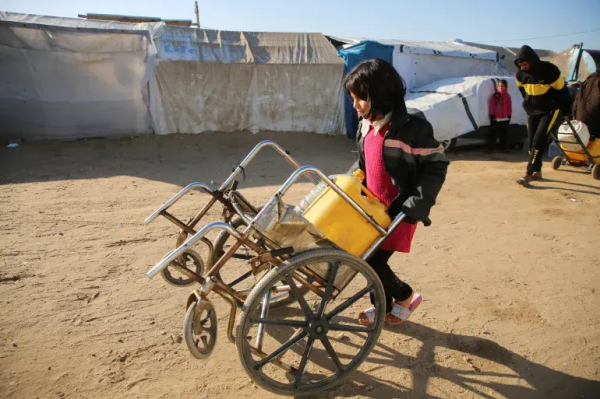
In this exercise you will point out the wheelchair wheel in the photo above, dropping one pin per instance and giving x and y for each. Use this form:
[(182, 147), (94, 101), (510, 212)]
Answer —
[(200, 328), (221, 245), (315, 342), (190, 259)]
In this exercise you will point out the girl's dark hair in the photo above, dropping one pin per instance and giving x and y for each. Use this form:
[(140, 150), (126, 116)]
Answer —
[(504, 82), (377, 82)]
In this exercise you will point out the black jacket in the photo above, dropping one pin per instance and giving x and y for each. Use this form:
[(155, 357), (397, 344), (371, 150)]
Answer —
[(414, 160), (543, 88)]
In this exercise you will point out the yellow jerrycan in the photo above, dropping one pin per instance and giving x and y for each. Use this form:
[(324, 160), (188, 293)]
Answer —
[(342, 224)]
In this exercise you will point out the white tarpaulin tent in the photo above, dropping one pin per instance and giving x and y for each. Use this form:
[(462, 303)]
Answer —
[(64, 78), (457, 106), (209, 80), (424, 62), (76, 22), (420, 63)]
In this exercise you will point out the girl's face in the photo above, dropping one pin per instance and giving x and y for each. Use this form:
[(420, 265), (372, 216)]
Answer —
[(501, 87), (361, 106)]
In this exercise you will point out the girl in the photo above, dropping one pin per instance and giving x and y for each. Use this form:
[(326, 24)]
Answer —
[(405, 168), (500, 114)]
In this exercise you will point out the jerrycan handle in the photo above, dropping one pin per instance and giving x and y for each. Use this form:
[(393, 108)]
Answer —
[(360, 176), (368, 194)]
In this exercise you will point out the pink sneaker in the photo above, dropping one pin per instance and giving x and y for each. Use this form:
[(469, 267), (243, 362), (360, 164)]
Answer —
[(402, 313)]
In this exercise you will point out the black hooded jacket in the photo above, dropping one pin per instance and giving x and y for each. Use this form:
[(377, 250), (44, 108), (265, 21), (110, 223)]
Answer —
[(543, 88)]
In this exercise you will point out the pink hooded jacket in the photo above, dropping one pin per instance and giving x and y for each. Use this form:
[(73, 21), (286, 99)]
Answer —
[(500, 105)]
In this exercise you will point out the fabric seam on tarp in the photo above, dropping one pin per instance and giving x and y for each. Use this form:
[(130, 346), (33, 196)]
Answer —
[(35, 25), (459, 95)]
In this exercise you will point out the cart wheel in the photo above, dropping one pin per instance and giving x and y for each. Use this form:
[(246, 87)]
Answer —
[(277, 300), (221, 242), (556, 162), (596, 172), (200, 328), (190, 259), (314, 343)]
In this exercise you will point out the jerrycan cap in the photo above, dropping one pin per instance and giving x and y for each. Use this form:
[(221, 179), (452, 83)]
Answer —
[(359, 174)]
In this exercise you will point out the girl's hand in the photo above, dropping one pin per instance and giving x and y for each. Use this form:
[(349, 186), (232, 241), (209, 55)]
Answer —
[(409, 220)]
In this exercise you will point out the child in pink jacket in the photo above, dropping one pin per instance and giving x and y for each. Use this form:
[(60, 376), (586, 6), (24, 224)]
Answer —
[(500, 114)]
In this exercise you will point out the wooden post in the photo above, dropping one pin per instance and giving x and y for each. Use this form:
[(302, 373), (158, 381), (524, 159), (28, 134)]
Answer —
[(197, 15)]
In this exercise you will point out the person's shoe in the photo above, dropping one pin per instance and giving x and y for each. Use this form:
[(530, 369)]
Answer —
[(525, 181)]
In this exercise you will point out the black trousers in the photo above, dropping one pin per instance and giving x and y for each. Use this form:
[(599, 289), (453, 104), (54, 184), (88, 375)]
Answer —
[(498, 130), (538, 129), (395, 289)]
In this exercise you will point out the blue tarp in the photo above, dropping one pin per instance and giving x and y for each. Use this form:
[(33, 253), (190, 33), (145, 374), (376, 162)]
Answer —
[(353, 56)]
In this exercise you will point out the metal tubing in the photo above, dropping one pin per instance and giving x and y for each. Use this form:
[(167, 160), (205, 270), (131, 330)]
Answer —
[(238, 201), (240, 240), (263, 315), (207, 286), (203, 211), (178, 222), (306, 170), (238, 209), (380, 240), (211, 251), (232, 313), (243, 294), (252, 154), (287, 288), (313, 275), (225, 289), (308, 285), (231, 322), (190, 241), (557, 141), (240, 279), (241, 200), (176, 198)]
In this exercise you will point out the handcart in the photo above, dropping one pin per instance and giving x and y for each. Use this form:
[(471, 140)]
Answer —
[(588, 156), (297, 333)]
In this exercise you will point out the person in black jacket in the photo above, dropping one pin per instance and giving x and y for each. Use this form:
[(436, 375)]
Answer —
[(545, 97), (404, 168)]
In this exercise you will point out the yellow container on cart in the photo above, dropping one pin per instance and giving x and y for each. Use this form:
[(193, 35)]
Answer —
[(580, 156), (341, 223)]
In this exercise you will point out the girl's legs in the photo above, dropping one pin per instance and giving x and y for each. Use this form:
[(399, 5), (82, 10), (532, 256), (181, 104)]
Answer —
[(503, 133), (492, 136), (395, 289)]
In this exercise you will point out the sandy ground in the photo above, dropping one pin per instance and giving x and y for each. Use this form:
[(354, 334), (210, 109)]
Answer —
[(510, 276)]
